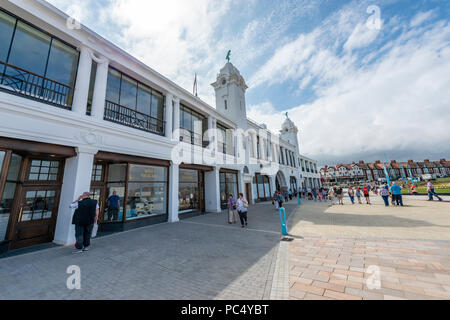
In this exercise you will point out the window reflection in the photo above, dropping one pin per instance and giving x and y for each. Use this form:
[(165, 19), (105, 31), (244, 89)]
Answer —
[(188, 195)]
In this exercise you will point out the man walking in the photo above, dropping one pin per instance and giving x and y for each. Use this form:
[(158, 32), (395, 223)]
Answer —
[(86, 214), (113, 207), (431, 191), (397, 194)]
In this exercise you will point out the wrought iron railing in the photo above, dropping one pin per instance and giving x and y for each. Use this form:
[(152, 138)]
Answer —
[(26, 83), (132, 118)]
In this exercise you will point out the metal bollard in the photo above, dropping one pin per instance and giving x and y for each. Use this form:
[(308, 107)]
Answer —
[(299, 199), (283, 221)]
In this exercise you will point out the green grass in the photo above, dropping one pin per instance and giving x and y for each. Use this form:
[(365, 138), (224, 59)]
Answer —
[(424, 190)]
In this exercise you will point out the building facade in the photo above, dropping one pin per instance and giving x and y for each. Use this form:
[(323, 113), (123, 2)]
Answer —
[(77, 113), (368, 172)]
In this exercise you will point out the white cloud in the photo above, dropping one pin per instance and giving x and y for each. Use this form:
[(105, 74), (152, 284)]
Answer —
[(421, 17), (399, 103)]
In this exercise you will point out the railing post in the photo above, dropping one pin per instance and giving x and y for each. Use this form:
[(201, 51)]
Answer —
[(299, 198), (283, 221)]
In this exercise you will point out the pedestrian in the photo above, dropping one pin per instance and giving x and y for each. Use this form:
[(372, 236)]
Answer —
[(84, 218), (366, 190), (309, 194), (351, 194), (358, 194), (286, 196), (320, 194), (232, 210), (280, 200), (290, 194), (431, 191), (384, 192), (340, 195), (314, 192), (113, 207), (396, 191), (332, 195), (242, 206)]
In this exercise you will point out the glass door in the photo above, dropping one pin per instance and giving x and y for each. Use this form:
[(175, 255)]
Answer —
[(36, 219)]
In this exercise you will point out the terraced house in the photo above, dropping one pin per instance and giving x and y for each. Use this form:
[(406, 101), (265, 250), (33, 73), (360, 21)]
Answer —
[(78, 113), (368, 172)]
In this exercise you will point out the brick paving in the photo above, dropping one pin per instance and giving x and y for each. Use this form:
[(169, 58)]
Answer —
[(200, 258), (347, 268)]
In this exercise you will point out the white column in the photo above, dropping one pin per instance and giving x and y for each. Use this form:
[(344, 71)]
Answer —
[(77, 179), (241, 184), (169, 115), (173, 192), (176, 119), (273, 186), (255, 148), (81, 93), (216, 139), (212, 191), (101, 81)]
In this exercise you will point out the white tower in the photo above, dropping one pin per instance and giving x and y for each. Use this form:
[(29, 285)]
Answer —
[(230, 90), (289, 133)]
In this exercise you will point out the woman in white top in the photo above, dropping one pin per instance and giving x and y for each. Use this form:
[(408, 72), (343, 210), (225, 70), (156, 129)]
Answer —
[(242, 205)]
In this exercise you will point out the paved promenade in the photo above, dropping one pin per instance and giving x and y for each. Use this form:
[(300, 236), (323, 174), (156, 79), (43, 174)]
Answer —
[(371, 252), (340, 252), (199, 258)]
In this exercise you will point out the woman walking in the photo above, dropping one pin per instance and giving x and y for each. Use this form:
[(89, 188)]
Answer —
[(340, 195), (242, 205), (384, 192), (358, 194), (232, 210)]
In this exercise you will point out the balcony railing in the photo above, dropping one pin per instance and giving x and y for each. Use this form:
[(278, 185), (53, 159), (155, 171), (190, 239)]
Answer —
[(25, 83), (133, 119)]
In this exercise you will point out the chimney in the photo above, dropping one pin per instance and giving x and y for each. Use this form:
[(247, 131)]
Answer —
[(426, 160), (410, 161), (378, 162), (361, 162), (443, 160), (393, 161)]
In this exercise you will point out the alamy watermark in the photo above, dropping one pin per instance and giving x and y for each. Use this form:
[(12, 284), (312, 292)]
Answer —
[(374, 20), (373, 282), (74, 280)]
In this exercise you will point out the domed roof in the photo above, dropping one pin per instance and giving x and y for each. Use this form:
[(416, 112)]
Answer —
[(288, 124)]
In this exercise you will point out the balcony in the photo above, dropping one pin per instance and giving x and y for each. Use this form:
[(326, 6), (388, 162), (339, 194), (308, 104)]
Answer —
[(133, 119), (32, 86)]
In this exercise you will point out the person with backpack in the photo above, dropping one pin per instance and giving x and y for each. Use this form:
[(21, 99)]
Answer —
[(340, 195), (242, 206), (84, 218), (232, 210)]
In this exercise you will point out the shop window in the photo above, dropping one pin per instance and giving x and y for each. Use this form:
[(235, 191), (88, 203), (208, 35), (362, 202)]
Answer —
[(147, 192), (43, 170), (189, 191), (38, 205)]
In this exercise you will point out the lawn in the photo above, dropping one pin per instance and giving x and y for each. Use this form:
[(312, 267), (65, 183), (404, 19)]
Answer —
[(441, 185)]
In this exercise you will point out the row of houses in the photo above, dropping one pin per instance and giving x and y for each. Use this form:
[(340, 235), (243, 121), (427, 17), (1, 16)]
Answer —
[(362, 171)]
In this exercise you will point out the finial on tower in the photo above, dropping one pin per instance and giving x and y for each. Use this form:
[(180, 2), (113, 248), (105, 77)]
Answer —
[(228, 55), (287, 115)]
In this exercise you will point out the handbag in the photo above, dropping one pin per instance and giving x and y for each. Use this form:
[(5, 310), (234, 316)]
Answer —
[(94, 230), (245, 205)]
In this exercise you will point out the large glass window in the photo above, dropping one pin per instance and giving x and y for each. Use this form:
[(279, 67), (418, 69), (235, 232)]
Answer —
[(8, 193), (33, 56), (30, 49), (128, 92), (147, 191), (113, 88), (6, 31), (263, 187), (228, 185), (62, 63), (189, 191), (193, 125), (225, 140)]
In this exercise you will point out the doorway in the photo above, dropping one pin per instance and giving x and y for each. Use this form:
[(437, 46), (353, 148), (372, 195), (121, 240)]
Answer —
[(248, 192), (35, 208)]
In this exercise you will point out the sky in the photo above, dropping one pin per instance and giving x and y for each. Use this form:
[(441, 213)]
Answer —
[(362, 80)]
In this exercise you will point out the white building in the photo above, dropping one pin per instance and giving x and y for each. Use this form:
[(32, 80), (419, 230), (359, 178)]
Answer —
[(78, 113)]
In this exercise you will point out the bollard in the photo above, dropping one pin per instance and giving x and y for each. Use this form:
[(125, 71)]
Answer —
[(283, 221), (299, 199)]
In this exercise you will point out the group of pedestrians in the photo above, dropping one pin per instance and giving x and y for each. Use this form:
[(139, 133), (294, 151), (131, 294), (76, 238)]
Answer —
[(238, 208)]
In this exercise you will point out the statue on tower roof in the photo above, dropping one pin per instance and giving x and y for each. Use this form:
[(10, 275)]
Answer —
[(228, 55)]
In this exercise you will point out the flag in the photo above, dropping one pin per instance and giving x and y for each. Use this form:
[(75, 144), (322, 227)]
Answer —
[(195, 89)]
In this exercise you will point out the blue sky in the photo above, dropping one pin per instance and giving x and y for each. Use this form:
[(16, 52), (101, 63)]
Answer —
[(358, 90)]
